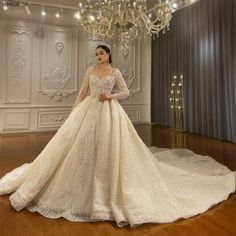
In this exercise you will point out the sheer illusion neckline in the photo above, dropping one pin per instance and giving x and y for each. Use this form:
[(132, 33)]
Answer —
[(103, 77)]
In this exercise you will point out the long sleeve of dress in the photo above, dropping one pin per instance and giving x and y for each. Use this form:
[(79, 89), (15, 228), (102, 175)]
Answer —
[(124, 91), (83, 92)]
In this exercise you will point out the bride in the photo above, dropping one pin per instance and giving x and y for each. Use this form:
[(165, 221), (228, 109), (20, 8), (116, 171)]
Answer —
[(96, 167)]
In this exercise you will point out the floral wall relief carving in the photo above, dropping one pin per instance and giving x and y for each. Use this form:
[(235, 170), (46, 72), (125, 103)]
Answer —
[(125, 49), (18, 100), (18, 59), (59, 46), (58, 118), (57, 79)]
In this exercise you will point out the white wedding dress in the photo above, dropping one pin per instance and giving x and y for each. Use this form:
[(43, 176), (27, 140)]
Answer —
[(96, 167)]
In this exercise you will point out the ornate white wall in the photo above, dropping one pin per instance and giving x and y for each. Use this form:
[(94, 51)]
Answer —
[(42, 67)]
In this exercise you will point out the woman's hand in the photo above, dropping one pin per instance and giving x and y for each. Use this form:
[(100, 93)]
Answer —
[(103, 97)]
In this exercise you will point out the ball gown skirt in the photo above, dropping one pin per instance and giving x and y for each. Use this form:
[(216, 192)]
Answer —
[(97, 168)]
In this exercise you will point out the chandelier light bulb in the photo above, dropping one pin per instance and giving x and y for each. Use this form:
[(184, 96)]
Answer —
[(57, 15), (77, 15), (43, 13), (175, 5), (5, 8), (92, 18)]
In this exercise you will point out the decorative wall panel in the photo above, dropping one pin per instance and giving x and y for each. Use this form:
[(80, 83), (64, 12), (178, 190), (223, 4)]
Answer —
[(18, 65), (46, 119), (16, 120), (127, 59), (133, 112), (57, 57)]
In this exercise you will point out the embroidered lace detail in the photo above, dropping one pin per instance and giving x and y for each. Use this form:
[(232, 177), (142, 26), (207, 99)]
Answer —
[(84, 88), (76, 217), (96, 86)]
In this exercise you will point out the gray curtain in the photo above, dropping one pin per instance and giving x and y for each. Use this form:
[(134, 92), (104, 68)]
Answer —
[(201, 45)]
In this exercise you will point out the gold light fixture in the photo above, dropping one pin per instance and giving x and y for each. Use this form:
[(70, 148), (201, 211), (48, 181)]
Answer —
[(177, 103), (126, 20), (57, 15), (43, 12)]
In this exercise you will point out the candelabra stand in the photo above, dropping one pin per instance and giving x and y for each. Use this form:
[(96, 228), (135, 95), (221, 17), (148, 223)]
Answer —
[(177, 103)]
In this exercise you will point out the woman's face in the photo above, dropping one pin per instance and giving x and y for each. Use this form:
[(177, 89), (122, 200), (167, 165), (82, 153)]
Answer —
[(102, 55)]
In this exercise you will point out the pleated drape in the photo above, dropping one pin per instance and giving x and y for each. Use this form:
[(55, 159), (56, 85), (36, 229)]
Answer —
[(201, 46)]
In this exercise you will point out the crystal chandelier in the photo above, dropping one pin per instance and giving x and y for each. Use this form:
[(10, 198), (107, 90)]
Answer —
[(126, 20)]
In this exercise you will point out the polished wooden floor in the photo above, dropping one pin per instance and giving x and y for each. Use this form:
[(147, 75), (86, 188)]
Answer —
[(220, 220)]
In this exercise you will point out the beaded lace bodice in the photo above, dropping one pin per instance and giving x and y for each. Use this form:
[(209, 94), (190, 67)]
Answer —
[(97, 86)]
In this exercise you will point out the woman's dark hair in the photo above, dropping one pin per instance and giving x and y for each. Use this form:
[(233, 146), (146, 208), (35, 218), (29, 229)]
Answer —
[(107, 50)]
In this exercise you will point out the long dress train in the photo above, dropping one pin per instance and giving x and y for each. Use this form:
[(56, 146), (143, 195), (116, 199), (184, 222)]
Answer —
[(96, 167)]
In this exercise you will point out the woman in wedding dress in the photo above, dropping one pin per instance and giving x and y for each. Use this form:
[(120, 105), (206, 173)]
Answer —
[(97, 168)]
